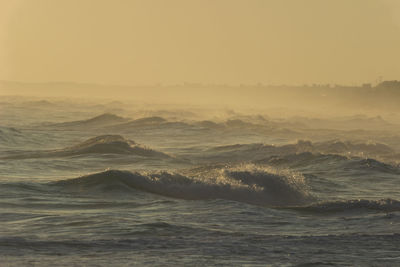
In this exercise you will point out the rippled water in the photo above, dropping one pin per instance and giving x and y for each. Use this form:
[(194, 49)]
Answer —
[(81, 188)]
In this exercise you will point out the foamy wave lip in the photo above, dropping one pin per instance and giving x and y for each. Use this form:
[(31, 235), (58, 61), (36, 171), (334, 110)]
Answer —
[(381, 205), (247, 183)]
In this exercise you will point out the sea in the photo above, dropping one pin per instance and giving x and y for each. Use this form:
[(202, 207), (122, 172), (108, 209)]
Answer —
[(113, 183)]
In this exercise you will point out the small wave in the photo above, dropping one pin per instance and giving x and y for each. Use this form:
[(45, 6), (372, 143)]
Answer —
[(303, 159), (326, 147), (149, 123), (114, 144), (105, 119), (142, 122), (257, 152), (9, 135), (382, 205), (329, 161), (247, 183), (354, 148), (104, 144), (369, 165)]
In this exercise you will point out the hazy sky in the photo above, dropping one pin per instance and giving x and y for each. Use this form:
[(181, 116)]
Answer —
[(210, 41)]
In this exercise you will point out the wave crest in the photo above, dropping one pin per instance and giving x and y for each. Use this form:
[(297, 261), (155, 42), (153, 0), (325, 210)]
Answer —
[(249, 184)]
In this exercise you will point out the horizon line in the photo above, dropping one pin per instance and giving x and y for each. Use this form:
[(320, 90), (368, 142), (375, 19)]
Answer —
[(186, 83)]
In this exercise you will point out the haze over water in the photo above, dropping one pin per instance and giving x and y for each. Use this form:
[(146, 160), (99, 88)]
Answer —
[(261, 133)]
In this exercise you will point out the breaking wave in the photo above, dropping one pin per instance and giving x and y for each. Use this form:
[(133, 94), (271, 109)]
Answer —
[(247, 183)]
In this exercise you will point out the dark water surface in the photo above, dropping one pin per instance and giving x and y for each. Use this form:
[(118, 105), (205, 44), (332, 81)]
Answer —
[(131, 189)]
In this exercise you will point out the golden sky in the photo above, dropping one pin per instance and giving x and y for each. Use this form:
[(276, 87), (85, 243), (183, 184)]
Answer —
[(210, 41)]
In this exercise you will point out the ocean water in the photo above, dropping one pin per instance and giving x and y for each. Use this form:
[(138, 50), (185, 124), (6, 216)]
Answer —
[(100, 184)]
